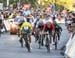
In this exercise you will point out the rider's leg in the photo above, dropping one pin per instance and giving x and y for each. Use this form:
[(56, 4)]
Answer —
[(36, 37), (54, 37), (59, 33), (42, 40), (51, 35), (21, 41), (30, 38)]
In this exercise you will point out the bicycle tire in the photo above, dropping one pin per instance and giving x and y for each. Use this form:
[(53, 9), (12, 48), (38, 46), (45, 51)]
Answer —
[(56, 39), (27, 44), (48, 44), (39, 41)]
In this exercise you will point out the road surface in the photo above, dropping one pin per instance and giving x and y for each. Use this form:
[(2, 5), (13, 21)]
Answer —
[(10, 48)]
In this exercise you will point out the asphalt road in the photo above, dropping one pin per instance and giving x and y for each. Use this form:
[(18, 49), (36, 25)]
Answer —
[(10, 48)]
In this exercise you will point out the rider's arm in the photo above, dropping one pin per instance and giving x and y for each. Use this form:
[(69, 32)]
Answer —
[(58, 26), (21, 27)]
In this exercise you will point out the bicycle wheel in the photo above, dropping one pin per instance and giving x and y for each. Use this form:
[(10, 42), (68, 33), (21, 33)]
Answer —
[(27, 44), (56, 39), (47, 44), (42, 40), (39, 41)]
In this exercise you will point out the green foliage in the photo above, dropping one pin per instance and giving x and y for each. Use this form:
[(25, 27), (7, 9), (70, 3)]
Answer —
[(59, 7), (4, 2)]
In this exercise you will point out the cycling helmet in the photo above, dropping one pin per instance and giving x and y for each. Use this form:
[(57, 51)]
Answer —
[(40, 23)]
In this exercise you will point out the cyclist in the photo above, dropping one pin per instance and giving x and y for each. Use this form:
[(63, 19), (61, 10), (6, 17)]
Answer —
[(29, 26), (58, 30), (39, 29), (49, 27)]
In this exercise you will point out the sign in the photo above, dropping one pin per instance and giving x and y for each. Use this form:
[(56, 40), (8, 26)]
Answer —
[(7, 24), (1, 6)]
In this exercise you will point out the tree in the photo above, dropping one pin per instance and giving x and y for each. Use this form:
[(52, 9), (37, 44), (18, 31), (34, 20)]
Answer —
[(3, 1)]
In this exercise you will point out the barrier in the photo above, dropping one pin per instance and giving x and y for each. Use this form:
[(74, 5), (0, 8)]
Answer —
[(64, 37), (7, 24), (70, 48)]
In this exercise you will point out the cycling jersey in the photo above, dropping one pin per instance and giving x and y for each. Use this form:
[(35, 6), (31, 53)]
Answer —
[(57, 26), (52, 27), (26, 24)]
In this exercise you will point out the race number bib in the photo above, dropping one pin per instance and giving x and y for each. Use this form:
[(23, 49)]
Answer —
[(26, 28)]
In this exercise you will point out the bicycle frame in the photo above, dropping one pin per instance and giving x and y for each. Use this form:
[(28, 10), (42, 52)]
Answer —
[(56, 38), (48, 41), (26, 40)]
